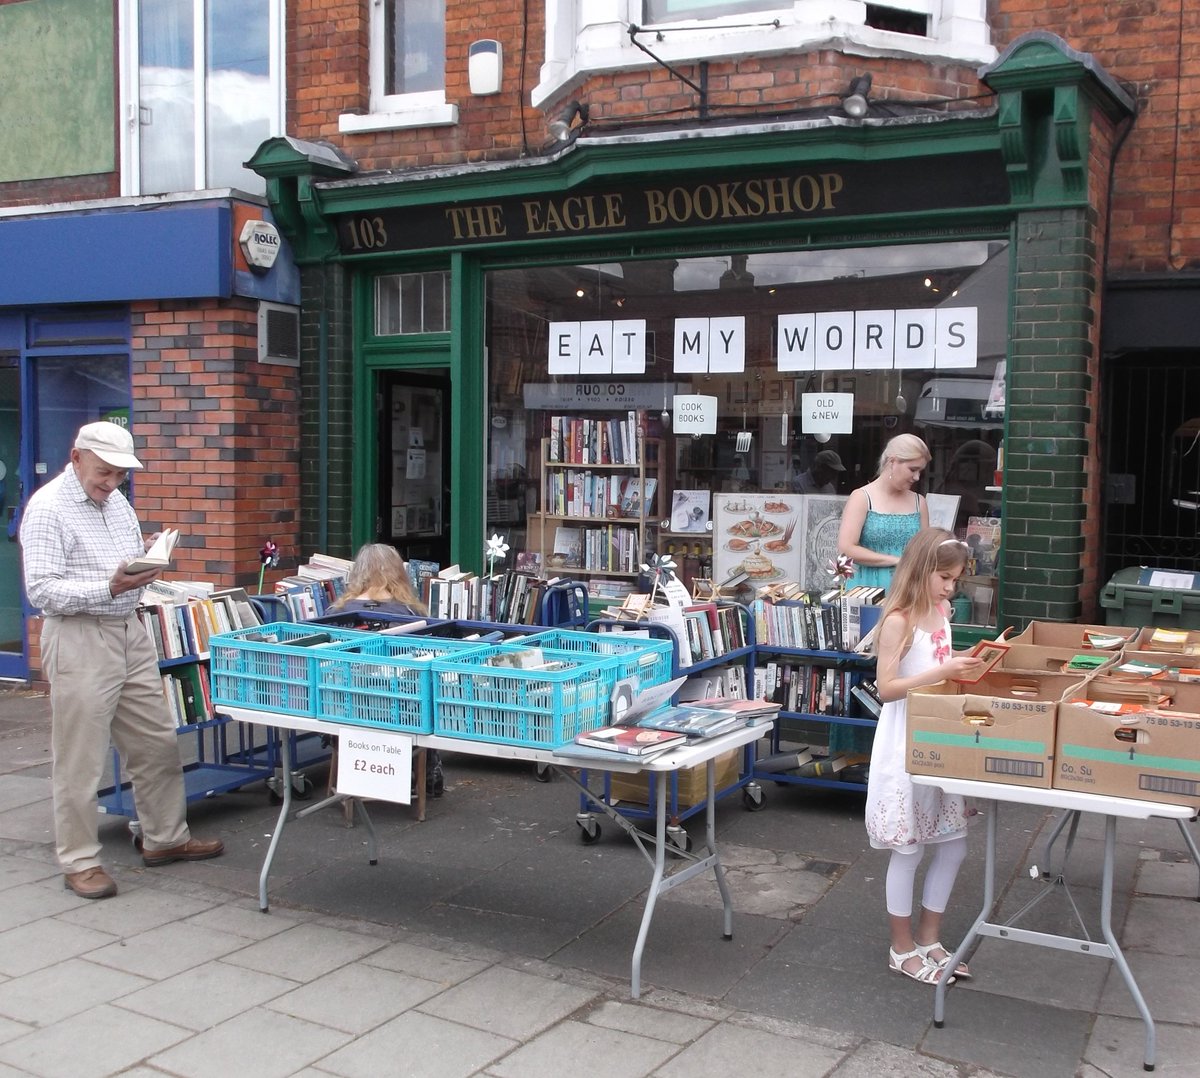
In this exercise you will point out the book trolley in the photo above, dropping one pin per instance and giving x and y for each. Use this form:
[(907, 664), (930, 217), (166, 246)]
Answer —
[(469, 697), (607, 800)]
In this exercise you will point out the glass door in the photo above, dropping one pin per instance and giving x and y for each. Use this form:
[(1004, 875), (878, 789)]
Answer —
[(64, 392), (414, 464)]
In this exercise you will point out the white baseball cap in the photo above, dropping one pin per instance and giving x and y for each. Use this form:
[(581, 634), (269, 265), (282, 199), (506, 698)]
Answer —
[(111, 442)]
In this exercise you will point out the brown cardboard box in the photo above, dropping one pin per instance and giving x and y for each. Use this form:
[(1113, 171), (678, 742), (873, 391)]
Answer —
[(999, 729), (1189, 650), (692, 787), (1064, 634), (1022, 658), (1150, 756)]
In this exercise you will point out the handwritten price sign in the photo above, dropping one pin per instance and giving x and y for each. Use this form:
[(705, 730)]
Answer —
[(374, 764)]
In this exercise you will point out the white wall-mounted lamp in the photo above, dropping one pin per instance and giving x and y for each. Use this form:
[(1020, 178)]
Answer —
[(484, 61)]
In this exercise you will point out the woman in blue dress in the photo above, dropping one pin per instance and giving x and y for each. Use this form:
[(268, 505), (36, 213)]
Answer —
[(878, 520)]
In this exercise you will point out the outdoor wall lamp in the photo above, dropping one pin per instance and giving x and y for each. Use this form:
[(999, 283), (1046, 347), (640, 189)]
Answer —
[(560, 128), (856, 103)]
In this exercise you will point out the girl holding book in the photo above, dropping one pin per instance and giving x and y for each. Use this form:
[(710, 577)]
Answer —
[(913, 650)]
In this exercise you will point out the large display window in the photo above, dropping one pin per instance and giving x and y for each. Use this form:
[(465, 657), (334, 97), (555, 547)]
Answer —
[(626, 398)]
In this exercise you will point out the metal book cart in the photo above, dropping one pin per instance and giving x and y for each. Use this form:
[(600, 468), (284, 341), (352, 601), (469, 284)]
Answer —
[(665, 796)]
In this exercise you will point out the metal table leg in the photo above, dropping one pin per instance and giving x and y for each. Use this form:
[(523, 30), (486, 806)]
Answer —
[(284, 808)]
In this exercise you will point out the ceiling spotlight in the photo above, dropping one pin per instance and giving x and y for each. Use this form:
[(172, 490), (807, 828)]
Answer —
[(856, 103), (560, 128), (580, 293)]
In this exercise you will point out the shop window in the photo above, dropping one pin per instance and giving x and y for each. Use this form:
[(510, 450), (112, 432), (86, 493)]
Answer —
[(584, 38), (411, 303), (408, 67), (203, 88), (797, 353)]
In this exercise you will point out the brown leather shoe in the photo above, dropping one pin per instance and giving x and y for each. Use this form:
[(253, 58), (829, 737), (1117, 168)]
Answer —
[(195, 849), (90, 883)]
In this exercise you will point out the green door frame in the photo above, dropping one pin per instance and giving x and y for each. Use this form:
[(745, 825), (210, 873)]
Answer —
[(454, 353)]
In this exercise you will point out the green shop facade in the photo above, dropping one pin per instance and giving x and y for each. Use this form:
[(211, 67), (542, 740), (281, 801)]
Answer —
[(755, 294)]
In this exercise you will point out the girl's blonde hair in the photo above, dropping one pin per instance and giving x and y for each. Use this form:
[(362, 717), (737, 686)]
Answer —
[(904, 447), (931, 550), (379, 573)]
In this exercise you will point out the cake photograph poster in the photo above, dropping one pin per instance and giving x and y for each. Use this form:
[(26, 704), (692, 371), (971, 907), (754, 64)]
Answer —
[(759, 535)]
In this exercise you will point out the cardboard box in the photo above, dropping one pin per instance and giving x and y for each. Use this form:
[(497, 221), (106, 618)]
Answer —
[(998, 729), (1171, 661), (1065, 634), (1189, 649), (1022, 658), (1150, 755), (692, 788)]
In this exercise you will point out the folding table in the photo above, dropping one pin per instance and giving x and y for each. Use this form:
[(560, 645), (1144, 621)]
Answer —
[(702, 751), (1112, 809)]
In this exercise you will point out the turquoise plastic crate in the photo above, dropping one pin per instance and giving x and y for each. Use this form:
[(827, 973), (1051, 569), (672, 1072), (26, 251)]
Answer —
[(385, 681), (256, 668), (534, 708), (643, 659)]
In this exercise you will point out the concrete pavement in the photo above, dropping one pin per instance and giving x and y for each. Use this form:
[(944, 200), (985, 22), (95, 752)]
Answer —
[(489, 940)]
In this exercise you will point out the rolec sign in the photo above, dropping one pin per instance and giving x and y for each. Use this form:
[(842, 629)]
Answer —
[(836, 190)]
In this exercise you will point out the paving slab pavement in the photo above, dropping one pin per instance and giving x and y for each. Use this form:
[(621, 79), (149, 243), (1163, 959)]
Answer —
[(490, 941)]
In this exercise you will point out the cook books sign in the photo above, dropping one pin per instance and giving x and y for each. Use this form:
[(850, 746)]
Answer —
[(375, 765)]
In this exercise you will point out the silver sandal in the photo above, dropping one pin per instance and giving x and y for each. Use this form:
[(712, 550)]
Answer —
[(962, 973), (928, 973)]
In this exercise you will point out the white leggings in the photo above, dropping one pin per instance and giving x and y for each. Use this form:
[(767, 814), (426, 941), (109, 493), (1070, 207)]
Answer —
[(939, 878)]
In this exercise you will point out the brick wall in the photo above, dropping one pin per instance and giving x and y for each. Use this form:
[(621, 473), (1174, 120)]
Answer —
[(1153, 48), (218, 433)]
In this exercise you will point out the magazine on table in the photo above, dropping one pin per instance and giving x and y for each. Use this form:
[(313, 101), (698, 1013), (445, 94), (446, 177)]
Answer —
[(692, 722)]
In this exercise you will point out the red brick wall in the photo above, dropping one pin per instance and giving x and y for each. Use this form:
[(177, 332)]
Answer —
[(1153, 47), (220, 437)]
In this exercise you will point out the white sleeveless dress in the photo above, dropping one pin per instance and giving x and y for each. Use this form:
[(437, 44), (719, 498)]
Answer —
[(899, 813)]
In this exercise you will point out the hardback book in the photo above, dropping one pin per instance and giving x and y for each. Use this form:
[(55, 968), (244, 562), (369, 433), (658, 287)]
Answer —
[(744, 709), (778, 762), (631, 740), (692, 721), (159, 554)]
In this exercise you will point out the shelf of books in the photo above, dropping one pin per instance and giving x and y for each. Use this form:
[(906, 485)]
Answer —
[(813, 662), (599, 495), (179, 617)]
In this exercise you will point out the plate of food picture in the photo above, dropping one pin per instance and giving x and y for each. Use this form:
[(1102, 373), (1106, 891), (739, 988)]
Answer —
[(755, 527), (776, 507), (784, 543), (759, 567)]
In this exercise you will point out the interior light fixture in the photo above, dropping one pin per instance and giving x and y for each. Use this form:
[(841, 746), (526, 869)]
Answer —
[(560, 128), (856, 104), (580, 293)]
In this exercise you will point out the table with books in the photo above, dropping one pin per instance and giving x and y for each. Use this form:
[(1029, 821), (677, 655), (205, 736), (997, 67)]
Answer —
[(484, 700), (691, 753), (1111, 809)]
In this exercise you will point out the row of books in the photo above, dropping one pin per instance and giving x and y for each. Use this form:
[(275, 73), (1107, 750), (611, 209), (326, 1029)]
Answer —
[(612, 548), (587, 440), (712, 631), (809, 688), (314, 587), (815, 623), (599, 494), (510, 597), (180, 629), (186, 690)]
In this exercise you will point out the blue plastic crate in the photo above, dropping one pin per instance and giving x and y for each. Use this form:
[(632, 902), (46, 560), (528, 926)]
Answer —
[(384, 682), (256, 668), (541, 708), (642, 659)]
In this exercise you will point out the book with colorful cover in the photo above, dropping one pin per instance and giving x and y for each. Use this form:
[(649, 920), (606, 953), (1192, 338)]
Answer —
[(691, 721), (630, 740)]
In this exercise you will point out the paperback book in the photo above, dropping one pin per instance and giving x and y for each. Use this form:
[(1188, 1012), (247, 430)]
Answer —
[(159, 554), (691, 721)]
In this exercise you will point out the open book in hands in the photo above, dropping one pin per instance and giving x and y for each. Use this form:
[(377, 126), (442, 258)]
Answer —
[(159, 554)]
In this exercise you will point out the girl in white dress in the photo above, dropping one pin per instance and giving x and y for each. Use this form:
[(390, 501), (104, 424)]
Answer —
[(912, 650)]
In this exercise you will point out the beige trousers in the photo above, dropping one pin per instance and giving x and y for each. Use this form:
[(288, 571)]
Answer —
[(105, 686)]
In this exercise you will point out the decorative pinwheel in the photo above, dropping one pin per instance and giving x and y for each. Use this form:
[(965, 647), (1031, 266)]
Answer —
[(661, 568), (841, 569), (494, 551), (269, 557)]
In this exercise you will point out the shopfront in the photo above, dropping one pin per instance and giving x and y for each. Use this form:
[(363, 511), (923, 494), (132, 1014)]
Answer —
[(755, 296)]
